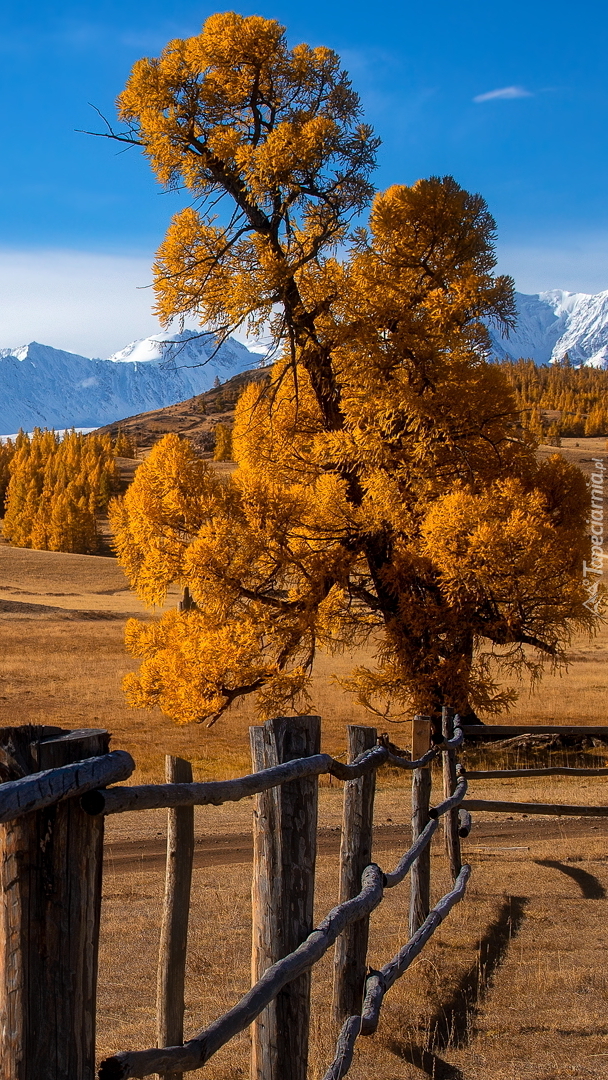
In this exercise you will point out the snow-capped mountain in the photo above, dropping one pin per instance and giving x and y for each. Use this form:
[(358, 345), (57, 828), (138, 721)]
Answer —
[(46, 387), (551, 324)]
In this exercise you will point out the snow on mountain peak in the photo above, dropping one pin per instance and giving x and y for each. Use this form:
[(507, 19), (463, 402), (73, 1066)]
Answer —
[(47, 387), (163, 346), (553, 323)]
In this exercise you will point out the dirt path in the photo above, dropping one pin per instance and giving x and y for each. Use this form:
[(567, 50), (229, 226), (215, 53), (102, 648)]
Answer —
[(127, 856)]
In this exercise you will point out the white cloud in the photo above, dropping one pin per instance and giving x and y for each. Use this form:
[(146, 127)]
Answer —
[(84, 302), (506, 93)]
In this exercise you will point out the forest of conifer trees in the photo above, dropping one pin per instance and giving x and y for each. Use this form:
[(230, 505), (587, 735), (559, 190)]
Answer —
[(54, 489), (579, 395)]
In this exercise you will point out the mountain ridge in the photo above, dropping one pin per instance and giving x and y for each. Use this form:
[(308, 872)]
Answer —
[(47, 387), (553, 323)]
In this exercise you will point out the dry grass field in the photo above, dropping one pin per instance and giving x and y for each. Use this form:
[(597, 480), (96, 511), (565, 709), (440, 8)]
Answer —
[(512, 987)]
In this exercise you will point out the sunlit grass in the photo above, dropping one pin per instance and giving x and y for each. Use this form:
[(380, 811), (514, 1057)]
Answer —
[(542, 1017)]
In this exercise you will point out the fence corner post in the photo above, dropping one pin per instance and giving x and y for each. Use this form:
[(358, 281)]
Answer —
[(355, 854), (284, 855), (420, 875), (50, 887), (176, 908)]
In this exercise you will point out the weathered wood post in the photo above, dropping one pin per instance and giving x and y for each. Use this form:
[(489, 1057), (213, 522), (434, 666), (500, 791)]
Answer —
[(450, 821), (420, 874), (284, 853), (176, 909), (186, 603), (355, 854), (50, 890)]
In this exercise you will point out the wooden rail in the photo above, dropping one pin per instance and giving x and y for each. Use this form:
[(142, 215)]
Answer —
[(51, 819), (379, 982), (510, 731), (216, 792), (197, 1051), (42, 789), (453, 800), (553, 770)]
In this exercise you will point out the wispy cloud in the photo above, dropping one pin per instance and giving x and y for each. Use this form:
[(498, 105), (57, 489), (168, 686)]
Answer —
[(505, 93), (85, 302)]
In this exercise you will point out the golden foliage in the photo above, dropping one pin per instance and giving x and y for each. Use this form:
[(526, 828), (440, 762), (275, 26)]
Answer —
[(7, 450), (56, 490), (384, 492), (223, 443), (235, 111), (578, 395), (124, 445)]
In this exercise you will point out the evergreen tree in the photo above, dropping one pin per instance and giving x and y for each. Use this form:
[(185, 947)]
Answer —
[(223, 443)]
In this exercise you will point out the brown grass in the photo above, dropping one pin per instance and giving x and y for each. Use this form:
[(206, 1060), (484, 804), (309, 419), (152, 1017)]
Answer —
[(579, 451), (539, 1011)]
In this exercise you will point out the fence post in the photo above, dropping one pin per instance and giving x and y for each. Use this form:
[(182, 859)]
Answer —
[(50, 889), (355, 854), (284, 852), (452, 838), (420, 874), (176, 908)]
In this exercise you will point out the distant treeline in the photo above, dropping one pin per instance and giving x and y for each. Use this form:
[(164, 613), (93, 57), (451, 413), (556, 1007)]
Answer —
[(578, 395), (53, 489)]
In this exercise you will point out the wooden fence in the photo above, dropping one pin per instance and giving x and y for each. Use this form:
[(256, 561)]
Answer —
[(53, 802)]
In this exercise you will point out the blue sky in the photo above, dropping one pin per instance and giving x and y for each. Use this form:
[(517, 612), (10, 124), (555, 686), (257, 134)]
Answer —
[(510, 99)]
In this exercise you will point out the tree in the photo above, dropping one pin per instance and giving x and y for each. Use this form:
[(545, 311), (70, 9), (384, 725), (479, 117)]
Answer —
[(124, 445), (223, 443), (385, 495), (7, 450)]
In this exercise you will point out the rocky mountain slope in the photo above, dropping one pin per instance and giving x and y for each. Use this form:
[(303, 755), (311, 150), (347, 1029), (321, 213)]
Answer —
[(46, 387), (551, 324), (196, 417)]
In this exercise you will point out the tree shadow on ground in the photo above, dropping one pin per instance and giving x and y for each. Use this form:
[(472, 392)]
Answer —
[(590, 886), (452, 1023)]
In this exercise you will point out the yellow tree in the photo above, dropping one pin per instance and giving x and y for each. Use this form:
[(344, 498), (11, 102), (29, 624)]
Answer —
[(7, 450), (124, 445), (223, 443), (384, 494)]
